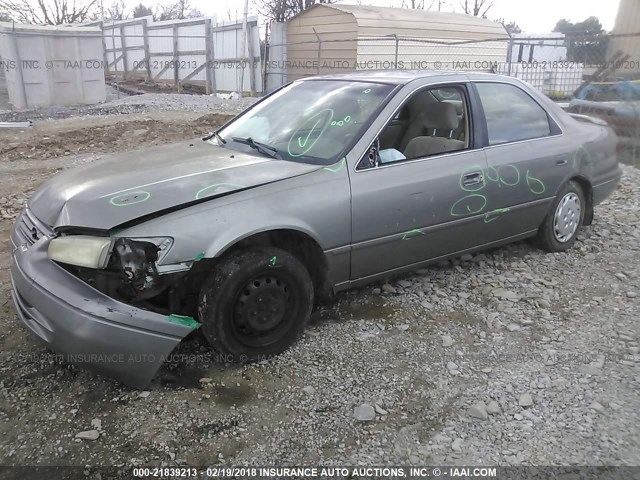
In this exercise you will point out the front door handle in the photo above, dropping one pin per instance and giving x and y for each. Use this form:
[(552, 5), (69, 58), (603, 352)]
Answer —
[(473, 178)]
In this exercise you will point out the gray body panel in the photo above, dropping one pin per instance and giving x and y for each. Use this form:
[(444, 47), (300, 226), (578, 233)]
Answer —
[(370, 223), (123, 187), (86, 326)]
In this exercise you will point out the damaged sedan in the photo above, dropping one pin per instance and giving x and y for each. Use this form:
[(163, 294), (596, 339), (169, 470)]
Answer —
[(325, 184)]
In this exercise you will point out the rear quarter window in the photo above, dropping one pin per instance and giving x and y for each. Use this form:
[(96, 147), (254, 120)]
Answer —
[(512, 115)]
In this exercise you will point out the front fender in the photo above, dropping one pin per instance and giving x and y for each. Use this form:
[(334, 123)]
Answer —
[(317, 204)]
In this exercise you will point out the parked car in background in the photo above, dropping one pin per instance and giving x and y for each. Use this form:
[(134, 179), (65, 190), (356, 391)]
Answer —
[(327, 183), (618, 103)]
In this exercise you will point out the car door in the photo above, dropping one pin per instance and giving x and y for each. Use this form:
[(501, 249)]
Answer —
[(408, 210), (525, 158)]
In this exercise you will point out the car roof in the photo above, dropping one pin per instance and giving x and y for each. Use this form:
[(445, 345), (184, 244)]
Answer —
[(401, 77)]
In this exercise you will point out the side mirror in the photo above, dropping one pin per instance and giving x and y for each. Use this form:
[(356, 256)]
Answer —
[(374, 157)]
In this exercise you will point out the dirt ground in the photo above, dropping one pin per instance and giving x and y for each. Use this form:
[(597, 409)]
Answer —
[(421, 350)]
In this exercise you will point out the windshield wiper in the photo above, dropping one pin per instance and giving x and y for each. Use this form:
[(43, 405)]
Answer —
[(215, 133), (260, 147)]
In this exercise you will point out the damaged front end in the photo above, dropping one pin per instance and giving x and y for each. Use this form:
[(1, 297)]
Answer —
[(103, 303), (131, 272)]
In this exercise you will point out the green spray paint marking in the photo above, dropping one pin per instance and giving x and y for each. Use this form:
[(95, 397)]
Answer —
[(368, 90), (477, 187), (183, 320), (199, 256), (307, 145), (412, 233), (338, 167), (493, 179), (494, 214), (200, 193), (130, 198), (531, 181), (517, 176), (465, 206), (273, 260)]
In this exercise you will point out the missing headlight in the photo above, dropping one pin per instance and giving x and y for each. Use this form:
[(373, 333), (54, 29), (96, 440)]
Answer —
[(136, 261)]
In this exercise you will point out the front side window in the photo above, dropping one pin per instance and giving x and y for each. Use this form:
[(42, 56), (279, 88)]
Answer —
[(433, 121), (311, 121), (511, 114)]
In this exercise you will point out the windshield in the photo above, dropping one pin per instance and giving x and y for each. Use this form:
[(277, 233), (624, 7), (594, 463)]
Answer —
[(311, 121)]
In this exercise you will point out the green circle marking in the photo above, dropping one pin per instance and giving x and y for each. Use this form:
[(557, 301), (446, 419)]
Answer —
[(347, 119), (489, 177), (517, 176), (531, 181), (130, 198), (464, 207), (477, 187), (368, 90)]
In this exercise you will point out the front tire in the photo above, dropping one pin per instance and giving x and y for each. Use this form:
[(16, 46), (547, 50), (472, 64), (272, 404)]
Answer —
[(564, 220), (255, 304)]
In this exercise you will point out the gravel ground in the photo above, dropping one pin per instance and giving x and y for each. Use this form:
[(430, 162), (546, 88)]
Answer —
[(148, 102), (507, 357)]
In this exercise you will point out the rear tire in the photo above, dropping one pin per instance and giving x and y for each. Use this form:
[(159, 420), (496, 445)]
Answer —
[(564, 220), (255, 304)]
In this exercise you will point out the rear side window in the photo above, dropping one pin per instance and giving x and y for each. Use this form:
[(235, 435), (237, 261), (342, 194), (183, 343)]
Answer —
[(511, 114)]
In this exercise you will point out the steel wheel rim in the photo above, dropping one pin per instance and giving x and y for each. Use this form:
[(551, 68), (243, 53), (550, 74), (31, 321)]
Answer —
[(567, 217), (263, 311)]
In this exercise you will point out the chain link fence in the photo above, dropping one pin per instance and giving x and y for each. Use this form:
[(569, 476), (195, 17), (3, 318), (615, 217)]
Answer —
[(597, 75)]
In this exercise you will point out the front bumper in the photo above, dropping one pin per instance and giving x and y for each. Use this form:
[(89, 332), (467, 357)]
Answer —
[(74, 319)]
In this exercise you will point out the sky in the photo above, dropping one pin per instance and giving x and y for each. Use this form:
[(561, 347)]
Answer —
[(533, 16)]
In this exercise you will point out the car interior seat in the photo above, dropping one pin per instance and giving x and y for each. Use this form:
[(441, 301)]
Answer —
[(439, 116)]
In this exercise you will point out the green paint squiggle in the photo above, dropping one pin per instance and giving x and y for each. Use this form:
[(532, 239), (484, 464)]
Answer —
[(199, 193), (412, 233), (494, 214)]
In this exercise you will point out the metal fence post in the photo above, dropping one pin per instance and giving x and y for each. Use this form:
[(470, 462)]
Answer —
[(123, 44), (176, 72), (509, 53), (147, 56), (252, 70), (208, 43), (319, 49), (395, 61)]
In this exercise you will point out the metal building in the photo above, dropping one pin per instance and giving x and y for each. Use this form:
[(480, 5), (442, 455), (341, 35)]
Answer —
[(331, 38), (627, 23)]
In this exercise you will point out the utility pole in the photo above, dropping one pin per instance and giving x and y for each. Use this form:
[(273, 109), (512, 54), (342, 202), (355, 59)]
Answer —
[(243, 63)]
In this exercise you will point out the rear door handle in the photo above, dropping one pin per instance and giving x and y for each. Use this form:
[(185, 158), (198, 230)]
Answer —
[(472, 178), (561, 162)]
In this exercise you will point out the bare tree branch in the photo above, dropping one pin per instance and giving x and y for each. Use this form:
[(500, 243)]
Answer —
[(49, 12)]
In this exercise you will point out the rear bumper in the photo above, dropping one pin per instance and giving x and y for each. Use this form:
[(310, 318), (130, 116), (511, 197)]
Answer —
[(89, 328), (602, 190)]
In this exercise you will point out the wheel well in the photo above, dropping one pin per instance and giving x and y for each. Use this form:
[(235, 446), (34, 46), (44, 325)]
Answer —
[(585, 185), (301, 246)]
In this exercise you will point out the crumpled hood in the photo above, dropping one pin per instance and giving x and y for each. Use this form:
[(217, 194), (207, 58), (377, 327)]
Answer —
[(122, 187)]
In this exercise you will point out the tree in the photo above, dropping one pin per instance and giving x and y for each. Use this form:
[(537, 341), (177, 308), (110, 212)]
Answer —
[(477, 8), (281, 10), (512, 28), (141, 11), (585, 41), (48, 12), (4, 17), (116, 11), (177, 11), (414, 4)]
